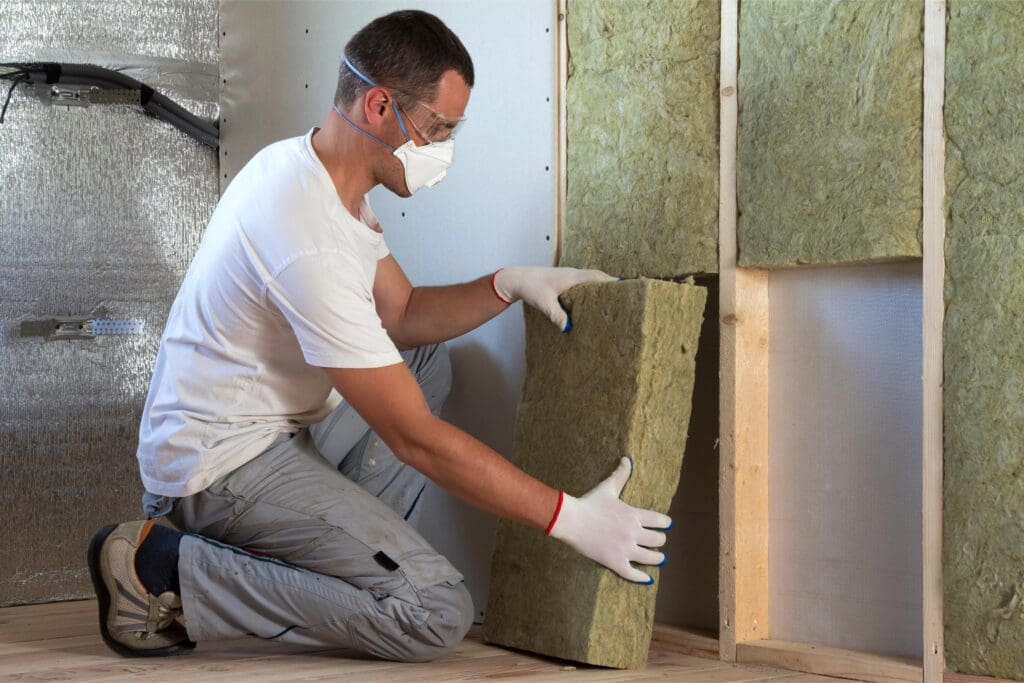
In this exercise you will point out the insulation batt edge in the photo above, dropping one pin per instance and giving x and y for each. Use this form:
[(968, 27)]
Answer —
[(620, 383), (830, 131), (642, 137), (983, 517)]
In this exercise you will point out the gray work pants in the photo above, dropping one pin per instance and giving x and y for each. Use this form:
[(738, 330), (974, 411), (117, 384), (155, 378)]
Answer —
[(308, 543)]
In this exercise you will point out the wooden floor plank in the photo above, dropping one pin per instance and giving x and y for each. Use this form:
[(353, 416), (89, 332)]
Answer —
[(61, 642)]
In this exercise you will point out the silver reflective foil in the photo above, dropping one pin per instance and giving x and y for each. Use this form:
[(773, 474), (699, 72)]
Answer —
[(98, 205)]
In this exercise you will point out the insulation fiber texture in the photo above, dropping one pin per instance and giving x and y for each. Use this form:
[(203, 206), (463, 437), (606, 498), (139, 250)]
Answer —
[(983, 517), (642, 131), (619, 384), (829, 146), (99, 205)]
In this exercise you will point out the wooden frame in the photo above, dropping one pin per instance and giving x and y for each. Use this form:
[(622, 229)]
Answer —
[(745, 633), (561, 143), (744, 628), (932, 309), (743, 393)]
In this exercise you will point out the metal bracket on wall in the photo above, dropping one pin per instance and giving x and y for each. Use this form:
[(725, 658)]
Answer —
[(84, 96), (79, 327)]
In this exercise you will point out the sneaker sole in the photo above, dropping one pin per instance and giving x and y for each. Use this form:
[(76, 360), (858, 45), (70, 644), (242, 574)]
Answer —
[(103, 599)]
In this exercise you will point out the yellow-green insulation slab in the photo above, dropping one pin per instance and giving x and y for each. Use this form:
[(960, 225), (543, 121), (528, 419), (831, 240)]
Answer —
[(642, 132), (619, 384), (829, 158), (983, 517)]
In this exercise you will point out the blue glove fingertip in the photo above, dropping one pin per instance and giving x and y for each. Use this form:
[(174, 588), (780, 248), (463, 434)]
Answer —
[(663, 561), (568, 325), (651, 582)]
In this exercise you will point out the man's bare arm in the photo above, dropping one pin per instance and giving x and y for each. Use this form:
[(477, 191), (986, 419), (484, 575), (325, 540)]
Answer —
[(598, 525), (427, 315), (416, 316), (391, 402)]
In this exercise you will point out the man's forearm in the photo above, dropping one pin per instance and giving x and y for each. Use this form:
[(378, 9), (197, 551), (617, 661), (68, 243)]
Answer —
[(437, 314), (478, 475)]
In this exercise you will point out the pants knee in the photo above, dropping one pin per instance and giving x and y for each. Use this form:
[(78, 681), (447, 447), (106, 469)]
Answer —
[(392, 635), (451, 616)]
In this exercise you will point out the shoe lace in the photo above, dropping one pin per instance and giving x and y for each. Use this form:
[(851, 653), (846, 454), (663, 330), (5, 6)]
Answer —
[(168, 609)]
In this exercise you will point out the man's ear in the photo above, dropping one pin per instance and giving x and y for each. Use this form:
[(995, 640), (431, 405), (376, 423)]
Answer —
[(376, 103)]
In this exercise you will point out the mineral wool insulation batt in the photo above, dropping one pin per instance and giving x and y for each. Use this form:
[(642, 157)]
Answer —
[(983, 518), (620, 383), (829, 140), (642, 136)]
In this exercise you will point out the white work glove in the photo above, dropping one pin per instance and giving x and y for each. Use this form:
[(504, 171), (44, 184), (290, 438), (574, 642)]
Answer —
[(540, 288), (610, 532)]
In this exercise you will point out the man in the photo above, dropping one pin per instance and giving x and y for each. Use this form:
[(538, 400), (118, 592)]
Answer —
[(294, 500)]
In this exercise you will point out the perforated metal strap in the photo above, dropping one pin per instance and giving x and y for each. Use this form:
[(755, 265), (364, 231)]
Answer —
[(65, 328), (111, 326)]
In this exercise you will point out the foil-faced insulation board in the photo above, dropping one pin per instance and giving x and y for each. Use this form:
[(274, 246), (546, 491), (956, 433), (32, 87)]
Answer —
[(983, 516), (642, 137), (619, 384), (830, 126), (102, 206)]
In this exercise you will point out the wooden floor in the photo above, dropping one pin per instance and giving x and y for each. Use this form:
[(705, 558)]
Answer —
[(60, 642)]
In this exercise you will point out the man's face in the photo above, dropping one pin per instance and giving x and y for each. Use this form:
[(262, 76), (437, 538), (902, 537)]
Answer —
[(451, 101)]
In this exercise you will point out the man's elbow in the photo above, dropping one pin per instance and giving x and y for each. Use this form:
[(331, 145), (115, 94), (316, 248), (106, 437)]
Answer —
[(400, 340), (415, 443)]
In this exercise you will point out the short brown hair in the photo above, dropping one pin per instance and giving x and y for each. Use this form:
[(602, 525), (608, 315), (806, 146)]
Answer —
[(407, 50)]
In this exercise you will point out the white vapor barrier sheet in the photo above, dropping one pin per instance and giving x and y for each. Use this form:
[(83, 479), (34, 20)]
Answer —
[(845, 457), (495, 208), (100, 205)]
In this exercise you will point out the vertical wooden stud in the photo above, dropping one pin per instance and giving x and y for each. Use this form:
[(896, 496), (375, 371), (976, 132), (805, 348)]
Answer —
[(933, 308), (562, 142), (743, 374)]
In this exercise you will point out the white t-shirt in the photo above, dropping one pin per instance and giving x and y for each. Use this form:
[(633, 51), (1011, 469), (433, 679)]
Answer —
[(282, 283)]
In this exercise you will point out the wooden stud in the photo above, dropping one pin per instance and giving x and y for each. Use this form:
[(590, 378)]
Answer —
[(933, 307), (562, 140), (828, 661), (743, 398)]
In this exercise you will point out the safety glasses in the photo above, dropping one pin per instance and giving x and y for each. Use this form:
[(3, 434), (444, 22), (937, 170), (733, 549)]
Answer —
[(429, 123)]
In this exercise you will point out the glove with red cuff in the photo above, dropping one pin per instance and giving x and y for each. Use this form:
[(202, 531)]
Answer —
[(540, 288), (605, 529)]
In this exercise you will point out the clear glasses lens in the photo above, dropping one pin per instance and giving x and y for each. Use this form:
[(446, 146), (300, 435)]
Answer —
[(432, 125)]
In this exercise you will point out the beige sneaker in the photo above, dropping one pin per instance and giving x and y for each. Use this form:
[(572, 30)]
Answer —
[(133, 622)]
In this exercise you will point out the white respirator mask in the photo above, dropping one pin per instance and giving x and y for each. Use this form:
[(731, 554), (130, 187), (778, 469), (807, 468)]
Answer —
[(424, 165)]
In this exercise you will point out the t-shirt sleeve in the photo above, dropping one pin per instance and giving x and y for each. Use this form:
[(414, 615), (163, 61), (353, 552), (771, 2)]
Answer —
[(330, 307)]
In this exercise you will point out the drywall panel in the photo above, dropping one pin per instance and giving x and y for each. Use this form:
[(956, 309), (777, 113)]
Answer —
[(845, 457), (983, 517), (620, 384), (642, 136), (100, 205), (829, 147), (495, 208)]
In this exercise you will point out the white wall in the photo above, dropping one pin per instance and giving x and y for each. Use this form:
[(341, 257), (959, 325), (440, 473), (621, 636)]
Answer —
[(495, 208), (845, 457)]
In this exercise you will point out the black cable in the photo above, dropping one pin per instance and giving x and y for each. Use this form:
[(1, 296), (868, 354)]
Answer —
[(153, 103), (20, 78)]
